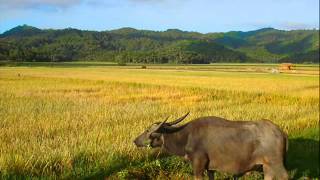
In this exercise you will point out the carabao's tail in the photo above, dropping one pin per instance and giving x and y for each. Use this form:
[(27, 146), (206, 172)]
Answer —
[(285, 148)]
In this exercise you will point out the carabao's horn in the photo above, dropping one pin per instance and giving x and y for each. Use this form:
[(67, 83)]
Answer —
[(178, 120), (162, 123)]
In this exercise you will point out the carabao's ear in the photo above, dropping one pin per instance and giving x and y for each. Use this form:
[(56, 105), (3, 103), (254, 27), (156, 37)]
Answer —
[(167, 129)]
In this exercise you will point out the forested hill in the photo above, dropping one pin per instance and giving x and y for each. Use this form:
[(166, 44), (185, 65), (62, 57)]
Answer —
[(27, 43)]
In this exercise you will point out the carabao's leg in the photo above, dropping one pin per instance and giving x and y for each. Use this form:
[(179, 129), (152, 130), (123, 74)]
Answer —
[(199, 162), (273, 168), (235, 177), (268, 172), (210, 174), (279, 172)]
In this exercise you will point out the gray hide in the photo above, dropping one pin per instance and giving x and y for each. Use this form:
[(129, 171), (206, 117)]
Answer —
[(213, 143)]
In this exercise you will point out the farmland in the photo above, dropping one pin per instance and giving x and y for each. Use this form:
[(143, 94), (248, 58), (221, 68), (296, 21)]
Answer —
[(79, 120)]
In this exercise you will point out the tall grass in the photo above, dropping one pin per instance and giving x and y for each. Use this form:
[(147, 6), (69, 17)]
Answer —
[(80, 123)]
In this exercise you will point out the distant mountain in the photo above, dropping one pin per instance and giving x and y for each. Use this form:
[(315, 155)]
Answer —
[(27, 43), (23, 30), (272, 45)]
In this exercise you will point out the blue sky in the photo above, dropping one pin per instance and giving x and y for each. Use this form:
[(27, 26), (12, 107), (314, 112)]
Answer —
[(190, 15)]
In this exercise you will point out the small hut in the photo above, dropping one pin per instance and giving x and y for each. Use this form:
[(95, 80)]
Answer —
[(286, 66)]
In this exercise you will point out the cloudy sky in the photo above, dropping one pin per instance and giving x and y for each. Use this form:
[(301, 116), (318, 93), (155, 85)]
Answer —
[(190, 15)]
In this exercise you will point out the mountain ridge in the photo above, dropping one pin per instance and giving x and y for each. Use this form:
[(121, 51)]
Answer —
[(28, 43)]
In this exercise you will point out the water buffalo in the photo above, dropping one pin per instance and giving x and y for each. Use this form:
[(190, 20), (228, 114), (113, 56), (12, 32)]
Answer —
[(213, 143)]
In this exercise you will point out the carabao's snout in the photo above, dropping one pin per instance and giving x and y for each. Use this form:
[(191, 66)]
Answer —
[(152, 137), (136, 142), (145, 139), (142, 140)]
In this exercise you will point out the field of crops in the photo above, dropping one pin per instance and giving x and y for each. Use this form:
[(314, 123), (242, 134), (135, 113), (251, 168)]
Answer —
[(79, 122)]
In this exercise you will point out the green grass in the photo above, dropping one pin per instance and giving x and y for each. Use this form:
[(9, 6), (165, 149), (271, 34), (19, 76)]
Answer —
[(71, 64), (303, 69), (66, 122)]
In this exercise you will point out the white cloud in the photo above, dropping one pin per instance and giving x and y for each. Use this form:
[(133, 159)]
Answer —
[(34, 4), (296, 25)]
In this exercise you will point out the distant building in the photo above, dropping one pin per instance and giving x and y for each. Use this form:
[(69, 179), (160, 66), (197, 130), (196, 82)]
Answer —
[(274, 71), (286, 66)]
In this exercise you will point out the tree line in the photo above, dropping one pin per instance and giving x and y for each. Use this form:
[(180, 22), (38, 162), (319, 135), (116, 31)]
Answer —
[(26, 43)]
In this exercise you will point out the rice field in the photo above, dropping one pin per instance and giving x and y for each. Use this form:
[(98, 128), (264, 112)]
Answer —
[(79, 122)]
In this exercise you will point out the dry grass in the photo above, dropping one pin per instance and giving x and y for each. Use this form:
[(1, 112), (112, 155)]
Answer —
[(80, 122)]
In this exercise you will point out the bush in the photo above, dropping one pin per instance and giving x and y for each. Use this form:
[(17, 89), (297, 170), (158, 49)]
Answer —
[(122, 64)]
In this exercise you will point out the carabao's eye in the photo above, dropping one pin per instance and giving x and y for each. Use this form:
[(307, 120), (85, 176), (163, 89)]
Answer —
[(151, 137)]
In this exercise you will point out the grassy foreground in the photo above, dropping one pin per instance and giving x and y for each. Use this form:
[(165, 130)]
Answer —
[(78, 123)]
